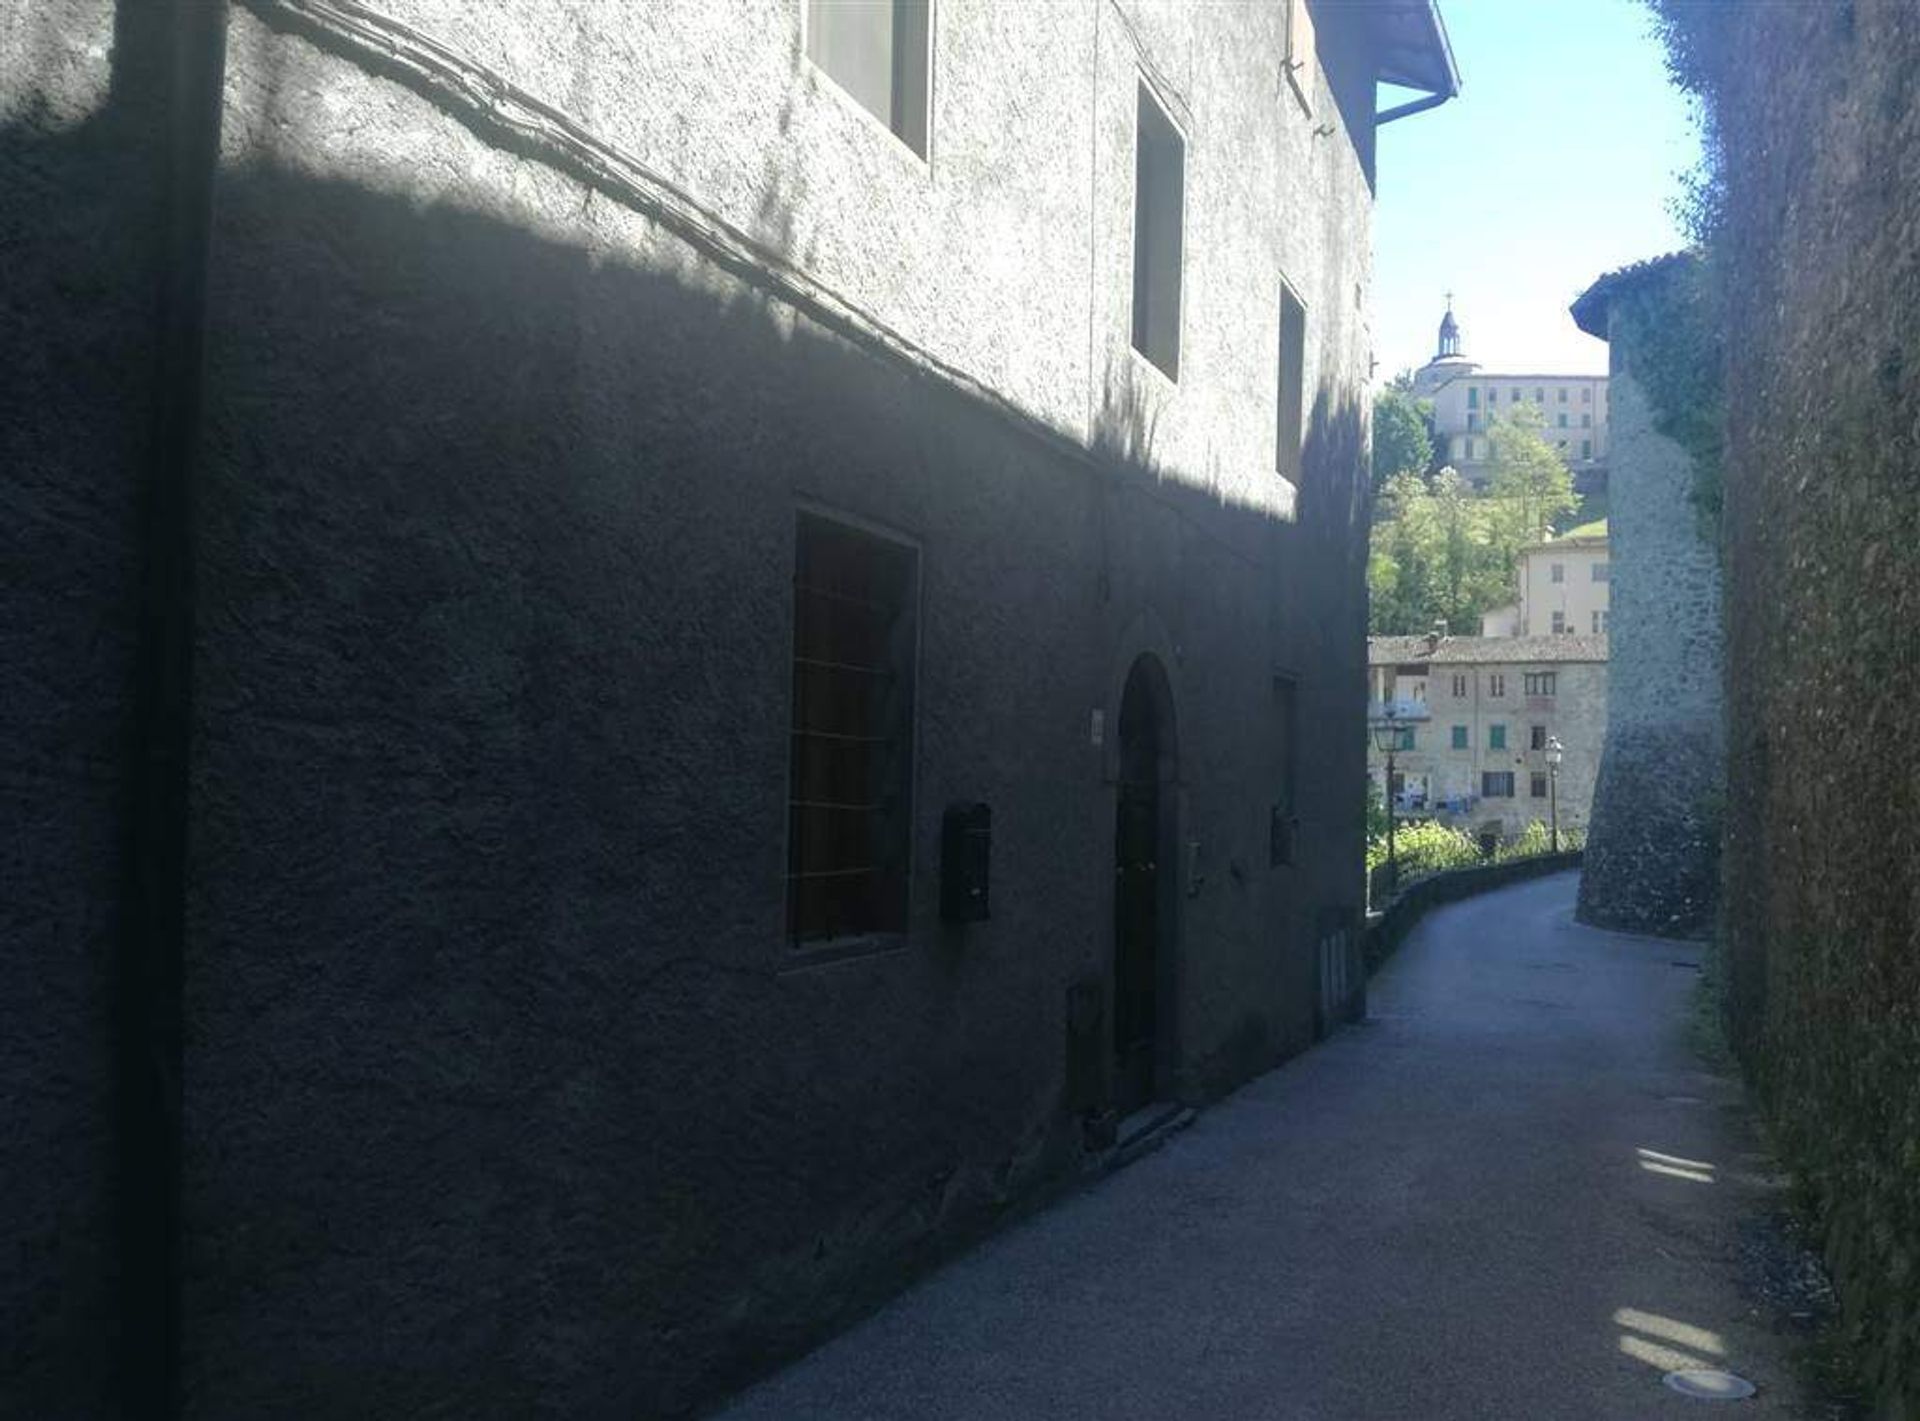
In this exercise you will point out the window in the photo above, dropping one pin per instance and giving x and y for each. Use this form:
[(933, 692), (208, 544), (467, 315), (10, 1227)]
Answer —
[(1459, 686), (1586, 395), (1561, 419), (1536, 737), (1459, 737), (1559, 623), (1586, 421), (1561, 394), (1493, 395), (1406, 739), (1293, 384), (1599, 622), (1496, 737), (1558, 572), (1496, 685), (1473, 420), (1539, 396), (1473, 397), (1603, 572), (1159, 199), (879, 54), (1586, 448), (851, 747), (1539, 683), (1537, 785), (1496, 784)]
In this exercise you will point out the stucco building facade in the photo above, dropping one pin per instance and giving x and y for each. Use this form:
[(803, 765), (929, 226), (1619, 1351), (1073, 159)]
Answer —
[(1467, 400), (1565, 586), (1476, 714), (660, 665)]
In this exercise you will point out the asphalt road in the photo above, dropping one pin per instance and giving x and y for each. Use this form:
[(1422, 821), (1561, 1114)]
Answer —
[(1513, 1193)]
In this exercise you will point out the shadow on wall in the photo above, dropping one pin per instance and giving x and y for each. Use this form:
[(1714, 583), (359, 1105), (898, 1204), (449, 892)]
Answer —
[(490, 762)]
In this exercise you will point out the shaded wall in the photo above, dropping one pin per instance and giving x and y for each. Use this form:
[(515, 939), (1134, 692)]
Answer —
[(1653, 857), (502, 1092), (81, 121), (1815, 105)]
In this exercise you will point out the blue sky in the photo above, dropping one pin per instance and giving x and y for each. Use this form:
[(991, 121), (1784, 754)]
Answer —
[(1558, 161)]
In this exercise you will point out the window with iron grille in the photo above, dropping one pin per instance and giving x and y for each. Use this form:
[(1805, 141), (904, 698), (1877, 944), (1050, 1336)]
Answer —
[(1496, 784), (849, 810), (1537, 785), (1539, 683), (1536, 737)]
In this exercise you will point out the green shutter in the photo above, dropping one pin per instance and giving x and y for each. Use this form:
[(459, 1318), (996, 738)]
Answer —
[(1497, 737)]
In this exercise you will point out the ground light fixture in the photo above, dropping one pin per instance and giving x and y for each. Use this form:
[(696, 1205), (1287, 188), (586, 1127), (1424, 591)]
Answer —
[(1709, 1384)]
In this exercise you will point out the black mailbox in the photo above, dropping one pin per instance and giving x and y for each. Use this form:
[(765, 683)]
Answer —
[(966, 848)]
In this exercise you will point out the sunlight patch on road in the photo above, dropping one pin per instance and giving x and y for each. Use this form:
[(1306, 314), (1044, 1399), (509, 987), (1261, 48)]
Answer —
[(1658, 1356), (1699, 1171), (1667, 1329)]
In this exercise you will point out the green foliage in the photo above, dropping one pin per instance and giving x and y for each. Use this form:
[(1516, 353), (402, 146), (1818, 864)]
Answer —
[(1428, 846), (1529, 486), (1537, 839), (1673, 331), (1402, 435), (1443, 553)]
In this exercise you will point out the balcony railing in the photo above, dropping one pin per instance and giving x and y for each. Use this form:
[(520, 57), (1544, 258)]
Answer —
[(1403, 710)]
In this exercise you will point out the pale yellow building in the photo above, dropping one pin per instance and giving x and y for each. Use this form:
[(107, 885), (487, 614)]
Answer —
[(1565, 587)]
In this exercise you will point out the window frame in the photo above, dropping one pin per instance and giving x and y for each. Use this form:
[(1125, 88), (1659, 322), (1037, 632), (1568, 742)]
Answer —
[(1289, 445), (1497, 735), (924, 155), (799, 952), (1146, 93)]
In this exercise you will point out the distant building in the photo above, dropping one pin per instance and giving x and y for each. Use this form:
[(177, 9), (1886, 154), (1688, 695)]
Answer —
[(1565, 586), (1466, 400), (1478, 713)]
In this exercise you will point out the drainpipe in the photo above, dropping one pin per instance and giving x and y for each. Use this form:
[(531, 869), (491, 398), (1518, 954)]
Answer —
[(188, 60), (1407, 110)]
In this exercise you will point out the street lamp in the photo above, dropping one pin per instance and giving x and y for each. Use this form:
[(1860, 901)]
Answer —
[(1386, 737), (1554, 752)]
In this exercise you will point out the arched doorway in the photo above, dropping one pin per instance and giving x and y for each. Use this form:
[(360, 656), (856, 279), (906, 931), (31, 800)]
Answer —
[(1143, 882)]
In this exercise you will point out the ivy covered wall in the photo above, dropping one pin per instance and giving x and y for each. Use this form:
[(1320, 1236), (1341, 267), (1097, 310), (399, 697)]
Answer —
[(1812, 210)]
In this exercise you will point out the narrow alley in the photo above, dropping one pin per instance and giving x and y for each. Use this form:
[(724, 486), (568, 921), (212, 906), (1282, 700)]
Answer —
[(1513, 1193)]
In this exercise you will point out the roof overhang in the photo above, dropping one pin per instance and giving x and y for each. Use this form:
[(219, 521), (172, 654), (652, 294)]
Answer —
[(1411, 51), (1592, 308)]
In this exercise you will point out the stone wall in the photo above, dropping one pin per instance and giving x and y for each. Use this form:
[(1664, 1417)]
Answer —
[(1815, 255), (1653, 855)]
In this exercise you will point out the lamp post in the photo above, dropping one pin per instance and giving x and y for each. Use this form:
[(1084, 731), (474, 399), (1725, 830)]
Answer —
[(1554, 751), (1386, 737)]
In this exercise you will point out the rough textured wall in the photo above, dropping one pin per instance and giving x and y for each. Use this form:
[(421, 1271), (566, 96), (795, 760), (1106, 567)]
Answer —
[(1816, 106), (78, 165), (503, 1089), (1653, 858)]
